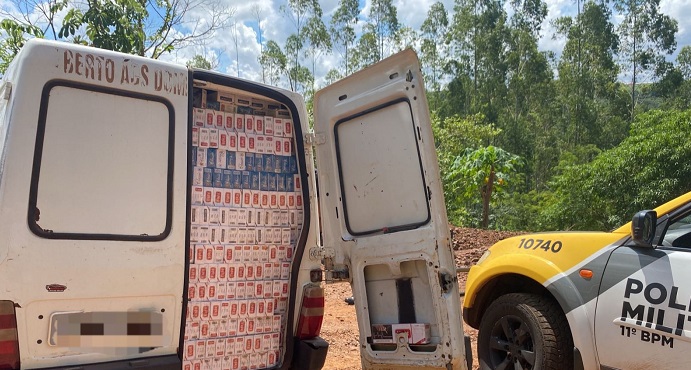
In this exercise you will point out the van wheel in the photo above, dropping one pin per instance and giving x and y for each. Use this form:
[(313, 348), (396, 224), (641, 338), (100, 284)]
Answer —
[(524, 331)]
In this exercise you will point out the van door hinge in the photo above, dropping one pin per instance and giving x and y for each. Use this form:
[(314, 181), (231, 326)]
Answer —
[(314, 139), (7, 93), (333, 272)]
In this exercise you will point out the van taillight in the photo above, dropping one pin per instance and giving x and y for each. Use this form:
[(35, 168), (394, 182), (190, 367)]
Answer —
[(311, 312), (9, 343)]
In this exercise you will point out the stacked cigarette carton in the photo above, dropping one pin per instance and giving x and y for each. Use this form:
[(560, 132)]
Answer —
[(246, 214)]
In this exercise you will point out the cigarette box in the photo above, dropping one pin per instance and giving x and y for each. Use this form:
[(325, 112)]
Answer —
[(240, 161), (195, 136), (213, 138), (198, 176), (287, 146), (223, 139), (249, 123), (210, 115), (211, 157), (287, 128), (242, 142), (230, 346), (229, 121), (200, 157), (278, 146), (204, 137), (259, 125), (239, 122), (270, 145), (199, 117), (268, 163), (417, 333), (251, 143), (219, 119), (260, 145), (278, 126), (232, 141), (237, 182), (221, 158), (268, 126), (258, 162)]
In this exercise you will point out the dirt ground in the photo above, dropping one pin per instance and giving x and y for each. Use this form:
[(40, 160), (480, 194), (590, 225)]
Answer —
[(340, 324)]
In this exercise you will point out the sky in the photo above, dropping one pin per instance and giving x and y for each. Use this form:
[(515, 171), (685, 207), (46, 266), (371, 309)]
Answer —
[(275, 26)]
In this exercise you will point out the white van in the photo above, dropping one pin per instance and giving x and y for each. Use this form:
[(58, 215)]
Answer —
[(154, 216)]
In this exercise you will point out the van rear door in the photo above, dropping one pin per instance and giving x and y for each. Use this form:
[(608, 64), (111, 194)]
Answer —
[(384, 219)]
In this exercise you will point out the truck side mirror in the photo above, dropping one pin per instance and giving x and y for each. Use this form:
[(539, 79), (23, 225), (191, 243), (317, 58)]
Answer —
[(643, 228)]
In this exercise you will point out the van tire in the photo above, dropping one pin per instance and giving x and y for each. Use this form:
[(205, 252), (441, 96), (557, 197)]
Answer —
[(543, 342)]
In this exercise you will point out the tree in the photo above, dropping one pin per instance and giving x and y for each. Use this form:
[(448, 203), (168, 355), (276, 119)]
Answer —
[(485, 172), (383, 22), (478, 38), (588, 78), (367, 51), (299, 12), (318, 43), (433, 31), (199, 62), (405, 38), (647, 168), (274, 62), (14, 40), (646, 35), (684, 62), (142, 27), (343, 30), (257, 13), (452, 136)]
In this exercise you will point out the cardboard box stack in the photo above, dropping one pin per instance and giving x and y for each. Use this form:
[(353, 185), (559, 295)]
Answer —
[(247, 213)]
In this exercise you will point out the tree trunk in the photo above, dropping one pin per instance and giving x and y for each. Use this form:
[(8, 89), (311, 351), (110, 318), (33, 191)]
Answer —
[(486, 196)]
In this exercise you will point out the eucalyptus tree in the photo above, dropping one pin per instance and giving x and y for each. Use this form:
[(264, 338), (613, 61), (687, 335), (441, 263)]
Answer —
[(342, 30), (318, 43), (274, 62), (433, 48), (367, 51), (383, 23), (299, 13), (588, 76), (646, 36), (478, 40)]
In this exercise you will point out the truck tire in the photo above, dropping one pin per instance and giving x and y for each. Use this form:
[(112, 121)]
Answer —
[(524, 331)]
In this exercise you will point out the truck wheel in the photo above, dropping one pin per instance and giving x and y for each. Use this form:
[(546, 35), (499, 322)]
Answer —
[(524, 331)]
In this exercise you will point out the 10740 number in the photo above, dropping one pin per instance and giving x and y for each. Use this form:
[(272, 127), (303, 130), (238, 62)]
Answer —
[(546, 245)]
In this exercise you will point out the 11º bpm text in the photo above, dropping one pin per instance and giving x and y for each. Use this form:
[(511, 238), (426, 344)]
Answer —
[(647, 336)]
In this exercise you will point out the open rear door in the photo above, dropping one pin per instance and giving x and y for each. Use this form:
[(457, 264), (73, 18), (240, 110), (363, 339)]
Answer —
[(383, 216)]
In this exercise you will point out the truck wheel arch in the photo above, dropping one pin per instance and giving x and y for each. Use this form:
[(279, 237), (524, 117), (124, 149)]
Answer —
[(508, 283)]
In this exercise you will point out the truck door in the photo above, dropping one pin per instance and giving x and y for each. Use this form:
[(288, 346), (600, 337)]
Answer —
[(643, 318), (93, 207), (384, 221)]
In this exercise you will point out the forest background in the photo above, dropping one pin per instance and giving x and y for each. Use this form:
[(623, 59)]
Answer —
[(527, 139)]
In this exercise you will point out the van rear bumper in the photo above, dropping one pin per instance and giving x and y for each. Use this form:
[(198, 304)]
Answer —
[(168, 362)]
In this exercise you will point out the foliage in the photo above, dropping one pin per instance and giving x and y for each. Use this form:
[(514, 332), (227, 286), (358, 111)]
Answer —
[(142, 27), (486, 172), (14, 40), (199, 62), (649, 167), (453, 135)]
